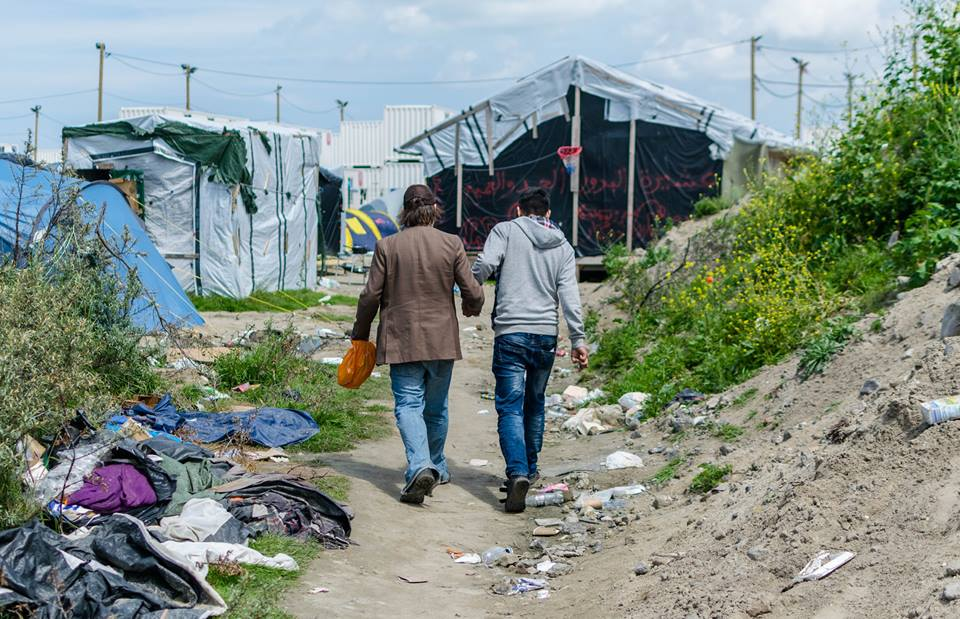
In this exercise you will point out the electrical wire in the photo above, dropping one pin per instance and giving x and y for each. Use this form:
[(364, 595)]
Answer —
[(48, 117), (682, 54), (230, 93), (16, 116), (793, 50), (824, 103), (773, 93), (131, 100), (303, 109), (53, 96), (811, 85), (141, 69)]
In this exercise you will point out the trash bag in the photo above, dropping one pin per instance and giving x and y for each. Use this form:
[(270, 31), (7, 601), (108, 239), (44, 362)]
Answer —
[(357, 364)]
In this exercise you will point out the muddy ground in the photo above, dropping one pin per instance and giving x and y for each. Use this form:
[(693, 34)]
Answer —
[(820, 466)]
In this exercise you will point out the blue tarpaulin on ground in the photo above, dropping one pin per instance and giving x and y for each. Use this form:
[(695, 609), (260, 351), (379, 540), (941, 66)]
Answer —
[(270, 427), (30, 197)]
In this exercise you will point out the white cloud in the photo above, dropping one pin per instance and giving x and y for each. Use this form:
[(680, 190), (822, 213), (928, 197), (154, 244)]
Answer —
[(835, 20), (405, 19)]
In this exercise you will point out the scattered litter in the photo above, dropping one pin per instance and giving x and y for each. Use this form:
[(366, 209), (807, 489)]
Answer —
[(561, 352), (553, 400), (483, 411), (490, 555), (543, 594), (479, 462), (548, 498), (469, 329), (633, 399), (586, 422), (325, 298), (319, 590), (545, 566), (822, 566), (575, 394), (546, 531), (376, 374), (609, 493), (327, 282), (471, 558), (487, 395), (245, 387), (413, 580), (331, 360), (623, 460), (688, 396), (548, 522), (523, 585), (938, 411), (183, 363)]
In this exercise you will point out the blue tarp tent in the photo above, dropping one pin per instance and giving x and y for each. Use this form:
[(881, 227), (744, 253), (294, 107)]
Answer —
[(36, 195)]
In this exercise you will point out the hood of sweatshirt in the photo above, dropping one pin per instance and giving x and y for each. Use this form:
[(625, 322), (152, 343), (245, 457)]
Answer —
[(541, 236)]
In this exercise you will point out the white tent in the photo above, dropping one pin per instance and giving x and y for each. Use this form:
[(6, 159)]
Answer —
[(231, 214)]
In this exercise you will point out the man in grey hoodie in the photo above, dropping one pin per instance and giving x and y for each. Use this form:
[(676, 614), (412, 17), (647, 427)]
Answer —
[(537, 271)]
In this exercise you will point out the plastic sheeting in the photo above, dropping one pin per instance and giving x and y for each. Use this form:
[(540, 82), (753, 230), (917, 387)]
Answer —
[(270, 427), (117, 570), (628, 97), (44, 191), (216, 245)]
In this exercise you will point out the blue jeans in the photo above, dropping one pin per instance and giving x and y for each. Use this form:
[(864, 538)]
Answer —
[(420, 395), (521, 365)]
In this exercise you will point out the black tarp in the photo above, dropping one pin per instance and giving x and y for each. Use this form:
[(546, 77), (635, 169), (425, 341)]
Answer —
[(673, 170), (118, 570), (329, 220)]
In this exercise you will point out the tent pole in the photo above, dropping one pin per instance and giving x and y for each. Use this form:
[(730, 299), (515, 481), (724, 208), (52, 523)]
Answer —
[(575, 176), (534, 117), (458, 170), (489, 139), (631, 175)]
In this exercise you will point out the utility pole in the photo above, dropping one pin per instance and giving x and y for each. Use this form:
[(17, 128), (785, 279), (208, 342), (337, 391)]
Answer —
[(914, 56), (849, 77), (753, 77), (103, 48), (188, 71), (342, 105), (278, 102), (36, 127), (801, 68)]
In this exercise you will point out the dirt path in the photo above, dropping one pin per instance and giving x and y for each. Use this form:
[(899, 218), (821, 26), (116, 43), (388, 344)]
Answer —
[(394, 539)]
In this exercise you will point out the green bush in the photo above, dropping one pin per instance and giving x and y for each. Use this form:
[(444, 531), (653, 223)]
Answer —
[(66, 343), (710, 205)]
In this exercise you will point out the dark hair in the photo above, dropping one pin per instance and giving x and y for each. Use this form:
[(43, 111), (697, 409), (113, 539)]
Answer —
[(534, 201), (419, 207)]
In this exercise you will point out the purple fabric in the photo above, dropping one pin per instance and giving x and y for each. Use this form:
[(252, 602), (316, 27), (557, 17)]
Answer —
[(114, 488)]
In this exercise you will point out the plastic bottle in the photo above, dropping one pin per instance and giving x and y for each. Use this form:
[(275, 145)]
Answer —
[(615, 504), (548, 498), (490, 555)]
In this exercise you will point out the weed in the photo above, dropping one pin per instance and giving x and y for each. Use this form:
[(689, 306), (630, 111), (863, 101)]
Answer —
[(751, 414), (744, 397), (709, 477), (276, 301), (876, 326), (667, 472), (254, 591), (727, 431), (710, 205), (336, 486), (824, 347)]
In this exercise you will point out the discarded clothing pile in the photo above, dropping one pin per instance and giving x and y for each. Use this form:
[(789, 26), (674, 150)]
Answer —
[(270, 427), (150, 515)]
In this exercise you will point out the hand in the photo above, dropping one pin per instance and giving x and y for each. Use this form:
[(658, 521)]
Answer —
[(580, 356)]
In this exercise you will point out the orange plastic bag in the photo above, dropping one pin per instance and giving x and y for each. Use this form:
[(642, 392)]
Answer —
[(357, 364)]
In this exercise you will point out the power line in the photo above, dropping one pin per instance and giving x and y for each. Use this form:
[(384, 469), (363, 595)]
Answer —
[(15, 116), (303, 109), (233, 94), (48, 117), (822, 85), (794, 50), (129, 99), (763, 85), (141, 69), (823, 103), (681, 54), (53, 96)]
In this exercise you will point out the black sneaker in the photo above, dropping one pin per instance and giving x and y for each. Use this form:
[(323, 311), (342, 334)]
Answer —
[(516, 489), (420, 486)]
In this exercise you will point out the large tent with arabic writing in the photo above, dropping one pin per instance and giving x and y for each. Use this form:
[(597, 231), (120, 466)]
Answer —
[(649, 152)]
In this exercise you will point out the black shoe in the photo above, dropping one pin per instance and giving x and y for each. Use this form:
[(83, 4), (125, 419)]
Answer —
[(516, 495), (421, 485), (534, 479)]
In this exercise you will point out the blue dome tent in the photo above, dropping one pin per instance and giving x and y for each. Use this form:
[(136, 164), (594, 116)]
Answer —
[(30, 196)]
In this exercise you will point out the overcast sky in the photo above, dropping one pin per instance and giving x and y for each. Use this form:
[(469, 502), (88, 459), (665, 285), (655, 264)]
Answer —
[(48, 48)]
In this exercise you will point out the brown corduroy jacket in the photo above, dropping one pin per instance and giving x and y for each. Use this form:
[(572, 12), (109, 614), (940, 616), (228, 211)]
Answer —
[(411, 283)]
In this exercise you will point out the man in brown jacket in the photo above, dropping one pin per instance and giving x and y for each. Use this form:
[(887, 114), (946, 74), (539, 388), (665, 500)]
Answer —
[(411, 283)]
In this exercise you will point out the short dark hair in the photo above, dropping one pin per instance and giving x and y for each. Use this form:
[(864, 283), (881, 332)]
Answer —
[(535, 201)]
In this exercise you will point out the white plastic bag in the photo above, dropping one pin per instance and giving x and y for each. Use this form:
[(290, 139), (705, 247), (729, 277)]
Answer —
[(623, 460)]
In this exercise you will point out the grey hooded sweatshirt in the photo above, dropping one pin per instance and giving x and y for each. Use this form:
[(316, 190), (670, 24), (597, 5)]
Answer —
[(537, 272)]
